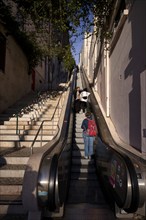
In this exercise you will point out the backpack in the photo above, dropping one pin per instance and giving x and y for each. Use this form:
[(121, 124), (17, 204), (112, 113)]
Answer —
[(92, 129)]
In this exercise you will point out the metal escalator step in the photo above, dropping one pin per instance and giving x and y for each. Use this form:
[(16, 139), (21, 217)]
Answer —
[(83, 176), (85, 191), (78, 146), (76, 169), (88, 212), (81, 161)]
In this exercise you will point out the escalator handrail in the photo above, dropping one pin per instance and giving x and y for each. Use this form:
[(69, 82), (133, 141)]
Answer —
[(134, 185), (30, 182), (133, 176), (54, 166), (53, 174), (52, 182)]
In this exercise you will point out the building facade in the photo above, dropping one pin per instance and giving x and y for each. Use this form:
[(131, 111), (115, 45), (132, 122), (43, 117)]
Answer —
[(117, 70)]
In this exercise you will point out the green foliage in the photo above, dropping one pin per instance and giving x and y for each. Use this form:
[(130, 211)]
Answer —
[(28, 43), (68, 59), (62, 16)]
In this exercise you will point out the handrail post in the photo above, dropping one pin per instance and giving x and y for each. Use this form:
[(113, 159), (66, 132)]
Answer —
[(41, 135), (17, 123)]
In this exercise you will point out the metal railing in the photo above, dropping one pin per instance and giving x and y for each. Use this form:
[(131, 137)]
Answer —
[(57, 108)]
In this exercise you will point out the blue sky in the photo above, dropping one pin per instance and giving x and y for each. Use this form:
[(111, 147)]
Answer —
[(77, 45), (79, 40)]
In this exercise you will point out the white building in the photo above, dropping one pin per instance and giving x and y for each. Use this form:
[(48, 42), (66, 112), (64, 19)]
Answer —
[(118, 73)]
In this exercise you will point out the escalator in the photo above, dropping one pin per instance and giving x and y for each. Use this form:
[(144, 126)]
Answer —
[(108, 186), (85, 198)]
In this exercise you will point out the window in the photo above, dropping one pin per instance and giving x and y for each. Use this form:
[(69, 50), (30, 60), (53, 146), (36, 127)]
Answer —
[(2, 52)]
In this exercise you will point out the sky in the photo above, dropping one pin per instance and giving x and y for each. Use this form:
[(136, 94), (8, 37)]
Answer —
[(79, 40), (77, 45)]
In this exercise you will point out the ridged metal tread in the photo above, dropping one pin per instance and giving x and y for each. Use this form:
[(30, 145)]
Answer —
[(85, 197), (87, 212)]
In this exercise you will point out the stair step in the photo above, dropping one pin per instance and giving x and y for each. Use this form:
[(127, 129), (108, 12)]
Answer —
[(25, 137), (14, 160), (10, 186), (25, 127), (10, 189), (10, 153), (28, 132), (35, 112), (27, 119), (29, 123), (18, 108), (12, 207), (11, 181), (10, 199), (12, 170), (15, 149), (20, 144)]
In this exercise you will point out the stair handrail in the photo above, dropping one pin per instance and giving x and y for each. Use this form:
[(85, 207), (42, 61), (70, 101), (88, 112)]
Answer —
[(52, 119)]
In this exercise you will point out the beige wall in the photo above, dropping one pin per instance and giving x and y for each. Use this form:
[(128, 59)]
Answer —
[(15, 82), (40, 77), (128, 78)]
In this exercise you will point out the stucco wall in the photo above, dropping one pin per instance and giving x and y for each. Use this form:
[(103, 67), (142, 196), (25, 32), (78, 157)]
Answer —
[(128, 79), (100, 75), (15, 82)]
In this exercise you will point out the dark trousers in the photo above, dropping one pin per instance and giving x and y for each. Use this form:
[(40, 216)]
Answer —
[(77, 105), (84, 106)]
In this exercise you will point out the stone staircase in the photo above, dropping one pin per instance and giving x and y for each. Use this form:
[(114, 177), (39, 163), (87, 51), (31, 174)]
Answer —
[(18, 127)]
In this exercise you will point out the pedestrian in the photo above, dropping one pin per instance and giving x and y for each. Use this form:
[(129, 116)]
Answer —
[(89, 133), (77, 100), (84, 95)]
